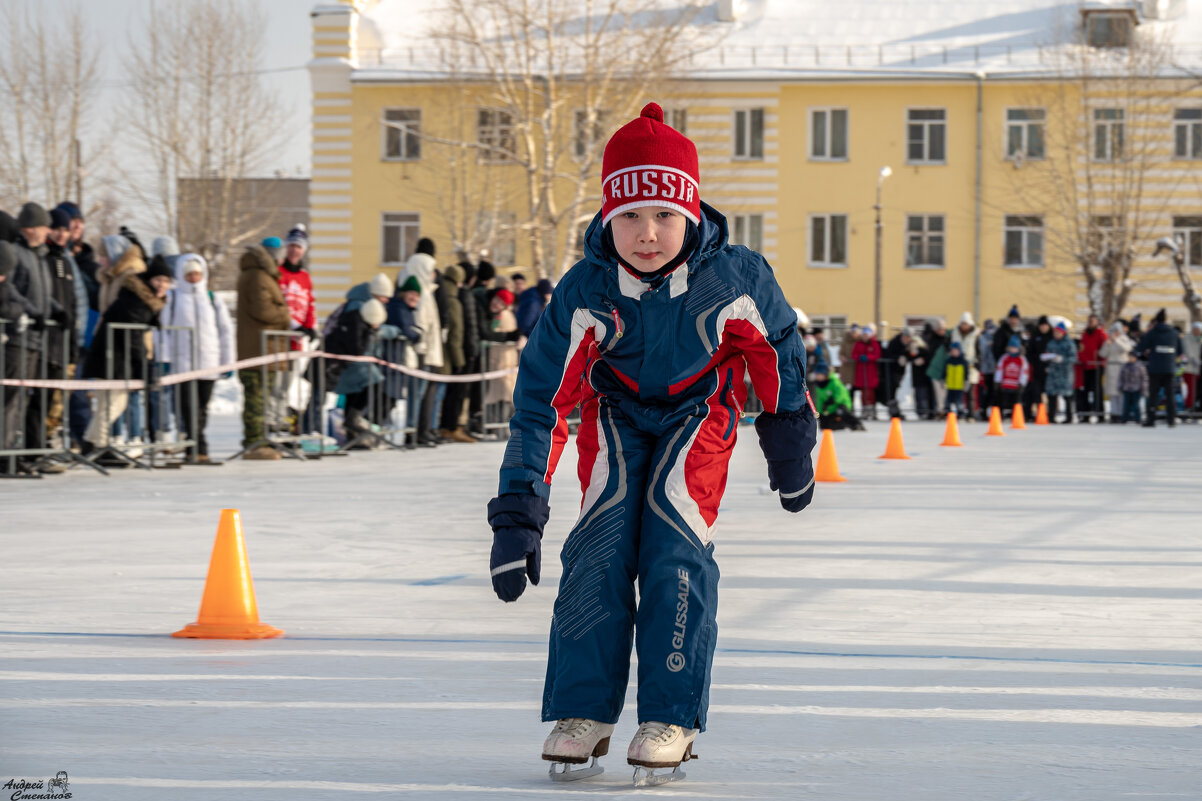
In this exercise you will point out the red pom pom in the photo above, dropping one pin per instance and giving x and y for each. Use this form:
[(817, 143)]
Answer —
[(653, 111)]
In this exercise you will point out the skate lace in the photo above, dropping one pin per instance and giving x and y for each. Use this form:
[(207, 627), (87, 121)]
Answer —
[(658, 732), (573, 727)]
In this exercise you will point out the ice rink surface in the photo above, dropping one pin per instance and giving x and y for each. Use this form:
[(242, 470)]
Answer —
[(1016, 620)]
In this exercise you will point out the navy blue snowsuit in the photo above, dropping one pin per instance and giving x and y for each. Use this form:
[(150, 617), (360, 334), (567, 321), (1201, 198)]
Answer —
[(657, 367)]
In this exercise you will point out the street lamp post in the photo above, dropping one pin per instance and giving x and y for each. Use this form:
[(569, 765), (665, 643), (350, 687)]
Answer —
[(884, 173)]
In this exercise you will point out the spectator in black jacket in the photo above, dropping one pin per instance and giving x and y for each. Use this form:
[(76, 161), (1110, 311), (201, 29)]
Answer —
[(1161, 347), (1037, 343)]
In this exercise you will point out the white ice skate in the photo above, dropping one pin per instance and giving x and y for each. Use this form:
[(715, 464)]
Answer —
[(657, 746), (574, 741)]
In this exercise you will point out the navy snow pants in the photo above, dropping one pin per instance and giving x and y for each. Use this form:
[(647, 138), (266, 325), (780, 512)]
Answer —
[(652, 480)]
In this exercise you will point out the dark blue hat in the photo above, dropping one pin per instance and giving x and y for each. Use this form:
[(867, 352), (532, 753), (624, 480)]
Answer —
[(1015, 342), (71, 209), (1014, 311), (820, 367), (59, 218)]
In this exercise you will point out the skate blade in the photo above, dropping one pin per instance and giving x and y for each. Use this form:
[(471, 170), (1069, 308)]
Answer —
[(647, 777), (567, 772)]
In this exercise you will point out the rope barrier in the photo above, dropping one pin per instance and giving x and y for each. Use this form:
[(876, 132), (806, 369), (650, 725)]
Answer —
[(257, 361)]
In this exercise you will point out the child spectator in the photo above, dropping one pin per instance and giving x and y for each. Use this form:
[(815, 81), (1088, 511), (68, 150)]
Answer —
[(955, 376), (501, 355), (1012, 374), (1061, 357), (832, 400), (1133, 383), (633, 335)]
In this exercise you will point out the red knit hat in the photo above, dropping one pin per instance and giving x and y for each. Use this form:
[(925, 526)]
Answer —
[(648, 163), (506, 296)]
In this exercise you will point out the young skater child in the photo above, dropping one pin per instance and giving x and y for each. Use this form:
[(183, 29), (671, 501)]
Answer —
[(955, 376), (651, 334), (1013, 373)]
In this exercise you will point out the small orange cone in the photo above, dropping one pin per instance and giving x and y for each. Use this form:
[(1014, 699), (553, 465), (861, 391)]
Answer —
[(951, 436), (828, 463), (1017, 420), (1041, 417), (995, 423), (894, 448), (227, 609)]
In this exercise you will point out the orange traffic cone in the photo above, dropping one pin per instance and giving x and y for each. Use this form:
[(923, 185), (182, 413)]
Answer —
[(1041, 417), (228, 610), (951, 436), (995, 423), (895, 449), (828, 463), (1017, 420)]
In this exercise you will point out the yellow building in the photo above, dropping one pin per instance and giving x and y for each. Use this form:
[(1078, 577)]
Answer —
[(1003, 147)]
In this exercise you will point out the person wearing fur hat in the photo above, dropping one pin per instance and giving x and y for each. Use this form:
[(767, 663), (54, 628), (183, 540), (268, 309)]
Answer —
[(1161, 348), (138, 302), (261, 307), (1060, 355), (211, 343), (651, 334)]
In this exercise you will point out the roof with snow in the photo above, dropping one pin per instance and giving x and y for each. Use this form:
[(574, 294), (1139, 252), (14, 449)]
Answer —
[(828, 39)]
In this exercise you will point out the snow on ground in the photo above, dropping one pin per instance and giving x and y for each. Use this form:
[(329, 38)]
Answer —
[(1015, 620)]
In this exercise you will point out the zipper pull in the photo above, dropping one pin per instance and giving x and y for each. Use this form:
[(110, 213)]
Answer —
[(617, 321)]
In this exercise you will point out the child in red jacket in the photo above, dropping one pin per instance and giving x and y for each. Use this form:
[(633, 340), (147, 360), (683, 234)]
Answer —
[(1013, 373)]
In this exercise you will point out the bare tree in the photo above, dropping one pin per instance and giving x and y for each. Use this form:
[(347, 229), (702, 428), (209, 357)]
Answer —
[(199, 108), (548, 81), (48, 86), (1103, 168)]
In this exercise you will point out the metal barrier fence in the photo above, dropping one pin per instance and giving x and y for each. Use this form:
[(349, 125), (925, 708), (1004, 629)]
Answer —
[(26, 444), (284, 398)]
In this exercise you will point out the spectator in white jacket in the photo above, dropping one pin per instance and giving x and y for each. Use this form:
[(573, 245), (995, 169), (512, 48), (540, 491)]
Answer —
[(192, 305)]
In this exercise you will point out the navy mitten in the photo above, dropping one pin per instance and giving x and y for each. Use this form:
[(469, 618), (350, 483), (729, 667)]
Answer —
[(517, 522), (787, 440)]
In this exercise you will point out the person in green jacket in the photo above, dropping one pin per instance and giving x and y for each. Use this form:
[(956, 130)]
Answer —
[(832, 400)]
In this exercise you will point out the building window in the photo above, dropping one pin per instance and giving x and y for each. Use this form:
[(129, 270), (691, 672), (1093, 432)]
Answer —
[(496, 230), (1187, 133), (678, 118), (749, 231), (1188, 233), (494, 133), (587, 137), (399, 236), (924, 240), (1024, 133), (926, 135), (749, 133), (828, 134), (1023, 241), (828, 240), (1107, 30), (1107, 134), (402, 134)]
